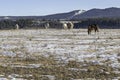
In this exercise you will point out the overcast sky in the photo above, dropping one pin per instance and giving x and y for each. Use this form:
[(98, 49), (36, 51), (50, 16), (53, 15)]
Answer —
[(45, 7)]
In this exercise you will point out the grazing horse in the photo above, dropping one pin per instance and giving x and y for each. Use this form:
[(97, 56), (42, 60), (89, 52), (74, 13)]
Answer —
[(70, 25), (93, 27), (17, 26), (46, 25)]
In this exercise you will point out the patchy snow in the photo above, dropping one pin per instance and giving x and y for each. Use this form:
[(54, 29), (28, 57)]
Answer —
[(63, 44), (3, 78), (26, 66), (15, 77), (51, 77), (8, 53)]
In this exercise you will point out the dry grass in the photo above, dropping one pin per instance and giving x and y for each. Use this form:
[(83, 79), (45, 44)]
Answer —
[(46, 54), (71, 70)]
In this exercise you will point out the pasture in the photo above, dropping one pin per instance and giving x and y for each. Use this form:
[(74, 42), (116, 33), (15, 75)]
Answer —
[(51, 54)]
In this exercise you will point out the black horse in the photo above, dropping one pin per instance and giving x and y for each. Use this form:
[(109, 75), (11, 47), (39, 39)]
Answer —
[(93, 27)]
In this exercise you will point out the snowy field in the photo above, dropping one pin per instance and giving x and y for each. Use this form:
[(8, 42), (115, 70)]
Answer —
[(51, 54)]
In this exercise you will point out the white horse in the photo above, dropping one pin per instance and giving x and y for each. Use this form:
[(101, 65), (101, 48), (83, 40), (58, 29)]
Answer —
[(46, 25), (64, 25), (17, 26)]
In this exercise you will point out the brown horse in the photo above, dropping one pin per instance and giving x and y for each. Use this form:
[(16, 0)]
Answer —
[(93, 27)]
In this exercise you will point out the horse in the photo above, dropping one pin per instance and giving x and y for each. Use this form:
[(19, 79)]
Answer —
[(93, 27), (17, 26), (70, 25), (46, 25), (58, 25), (43, 25)]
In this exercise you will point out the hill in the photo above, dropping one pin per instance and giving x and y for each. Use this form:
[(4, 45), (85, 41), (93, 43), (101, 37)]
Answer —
[(100, 13), (112, 12)]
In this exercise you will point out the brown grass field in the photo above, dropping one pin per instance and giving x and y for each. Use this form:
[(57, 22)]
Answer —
[(51, 54)]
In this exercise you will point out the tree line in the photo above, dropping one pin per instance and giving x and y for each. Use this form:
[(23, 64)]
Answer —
[(111, 23), (10, 24)]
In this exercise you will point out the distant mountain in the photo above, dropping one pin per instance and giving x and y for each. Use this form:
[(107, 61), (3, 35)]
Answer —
[(112, 12), (67, 15), (100, 13)]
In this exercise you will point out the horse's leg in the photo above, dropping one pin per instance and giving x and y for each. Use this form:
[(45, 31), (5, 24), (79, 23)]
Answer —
[(96, 30), (89, 31)]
